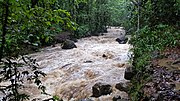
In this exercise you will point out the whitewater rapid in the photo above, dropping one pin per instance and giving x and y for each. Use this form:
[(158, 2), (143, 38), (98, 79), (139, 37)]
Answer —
[(72, 73)]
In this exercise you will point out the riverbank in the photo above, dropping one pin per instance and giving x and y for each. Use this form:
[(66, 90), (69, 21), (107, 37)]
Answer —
[(156, 64)]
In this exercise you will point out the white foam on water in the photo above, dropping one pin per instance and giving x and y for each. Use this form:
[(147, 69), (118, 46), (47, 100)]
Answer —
[(72, 73)]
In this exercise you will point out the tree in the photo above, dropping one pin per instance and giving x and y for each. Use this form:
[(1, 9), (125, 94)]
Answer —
[(30, 26), (24, 23), (4, 16), (154, 12)]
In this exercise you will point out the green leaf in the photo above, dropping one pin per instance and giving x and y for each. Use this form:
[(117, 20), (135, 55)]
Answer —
[(48, 23)]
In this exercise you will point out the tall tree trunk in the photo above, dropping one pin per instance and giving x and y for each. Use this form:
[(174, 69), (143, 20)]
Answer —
[(4, 27)]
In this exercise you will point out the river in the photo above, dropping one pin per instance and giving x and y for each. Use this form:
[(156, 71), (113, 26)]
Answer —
[(72, 73)]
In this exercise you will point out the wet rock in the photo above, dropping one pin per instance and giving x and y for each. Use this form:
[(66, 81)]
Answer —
[(37, 99), (163, 86), (149, 89), (116, 98), (176, 62), (176, 75), (176, 72), (95, 34), (104, 30), (88, 61), (155, 54), (122, 87), (74, 39), (177, 86), (122, 40), (168, 96), (128, 73), (68, 44), (101, 89), (104, 56)]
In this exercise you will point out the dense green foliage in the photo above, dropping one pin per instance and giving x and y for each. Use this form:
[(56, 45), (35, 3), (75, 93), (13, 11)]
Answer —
[(27, 25), (158, 29), (34, 23), (120, 13), (154, 12), (30, 24), (90, 15), (146, 42), (13, 73)]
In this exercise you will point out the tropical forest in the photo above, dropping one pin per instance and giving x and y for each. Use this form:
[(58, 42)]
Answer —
[(89, 50)]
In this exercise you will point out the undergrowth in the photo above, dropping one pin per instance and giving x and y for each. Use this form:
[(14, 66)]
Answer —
[(145, 42)]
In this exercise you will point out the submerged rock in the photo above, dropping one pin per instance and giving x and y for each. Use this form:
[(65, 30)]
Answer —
[(68, 44), (101, 89)]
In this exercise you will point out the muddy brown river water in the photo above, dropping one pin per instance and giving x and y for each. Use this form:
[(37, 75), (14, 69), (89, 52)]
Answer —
[(72, 73)]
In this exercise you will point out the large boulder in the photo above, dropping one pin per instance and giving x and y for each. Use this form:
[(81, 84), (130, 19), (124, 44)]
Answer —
[(68, 44), (122, 40), (101, 89)]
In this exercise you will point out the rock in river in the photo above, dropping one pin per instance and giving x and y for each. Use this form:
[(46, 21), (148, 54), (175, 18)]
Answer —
[(122, 40), (68, 44), (101, 89), (122, 86), (128, 73)]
